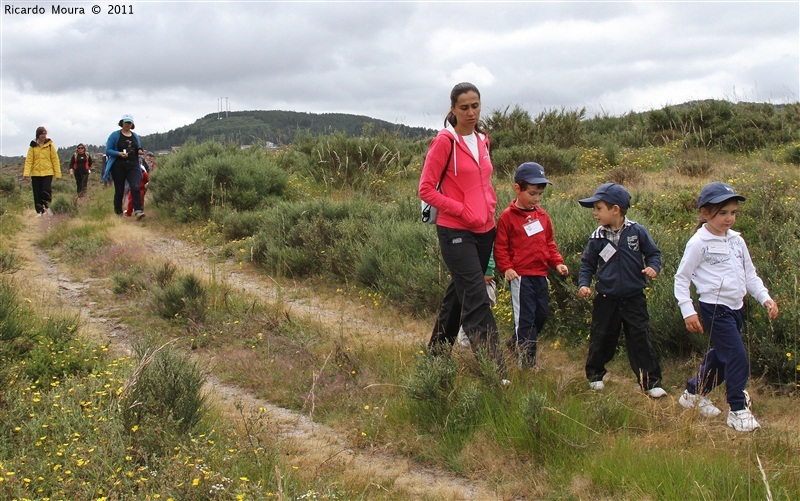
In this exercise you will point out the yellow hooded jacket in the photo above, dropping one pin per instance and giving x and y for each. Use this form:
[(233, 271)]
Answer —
[(42, 160)]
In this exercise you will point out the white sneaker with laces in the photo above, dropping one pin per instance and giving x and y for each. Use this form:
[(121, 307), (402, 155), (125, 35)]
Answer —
[(596, 385), (505, 382), (48, 211), (703, 404), (462, 339), (742, 420), (656, 392)]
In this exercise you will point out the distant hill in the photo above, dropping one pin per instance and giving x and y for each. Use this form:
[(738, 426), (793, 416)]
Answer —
[(277, 127)]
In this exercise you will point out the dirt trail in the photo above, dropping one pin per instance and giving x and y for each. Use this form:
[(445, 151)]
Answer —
[(306, 441)]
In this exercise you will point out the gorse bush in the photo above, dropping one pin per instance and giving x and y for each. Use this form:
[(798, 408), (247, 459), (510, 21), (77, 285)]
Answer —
[(199, 177)]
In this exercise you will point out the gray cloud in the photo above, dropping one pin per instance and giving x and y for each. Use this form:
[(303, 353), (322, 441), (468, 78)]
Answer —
[(169, 62)]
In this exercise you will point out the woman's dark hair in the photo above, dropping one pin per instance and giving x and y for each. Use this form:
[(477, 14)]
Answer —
[(40, 130), (133, 126), (460, 88)]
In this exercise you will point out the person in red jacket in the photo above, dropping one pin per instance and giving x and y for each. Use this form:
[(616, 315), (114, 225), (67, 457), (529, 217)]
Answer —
[(142, 190), (524, 251), (456, 180), (80, 167)]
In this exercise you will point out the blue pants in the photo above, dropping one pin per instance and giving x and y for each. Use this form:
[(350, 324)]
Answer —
[(530, 298), (466, 303), (727, 358)]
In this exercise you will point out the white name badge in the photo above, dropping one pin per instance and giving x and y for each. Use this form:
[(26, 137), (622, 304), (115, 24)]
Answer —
[(607, 252), (719, 248), (533, 227)]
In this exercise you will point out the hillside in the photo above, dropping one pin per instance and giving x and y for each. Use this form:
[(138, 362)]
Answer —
[(277, 127)]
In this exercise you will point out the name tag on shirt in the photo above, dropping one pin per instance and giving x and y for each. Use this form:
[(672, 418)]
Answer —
[(719, 248), (607, 252), (533, 227)]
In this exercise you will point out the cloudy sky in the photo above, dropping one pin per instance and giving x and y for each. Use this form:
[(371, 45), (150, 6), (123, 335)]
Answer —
[(169, 62)]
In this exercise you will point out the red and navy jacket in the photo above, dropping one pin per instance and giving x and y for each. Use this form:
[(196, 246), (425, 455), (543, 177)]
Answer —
[(529, 256)]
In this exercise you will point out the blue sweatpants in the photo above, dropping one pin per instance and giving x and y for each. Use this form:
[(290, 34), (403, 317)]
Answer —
[(530, 298), (727, 359)]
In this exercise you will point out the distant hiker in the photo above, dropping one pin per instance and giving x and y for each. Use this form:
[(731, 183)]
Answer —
[(123, 148), (142, 190), (41, 164), (80, 166), (149, 162), (456, 180), (524, 250), (623, 255), (717, 262)]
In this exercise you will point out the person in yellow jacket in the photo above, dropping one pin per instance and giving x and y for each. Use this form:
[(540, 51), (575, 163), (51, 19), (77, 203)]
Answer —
[(41, 164)]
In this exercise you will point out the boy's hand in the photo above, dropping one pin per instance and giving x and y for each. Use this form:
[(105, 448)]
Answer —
[(562, 268), (693, 323), (772, 308), (650, 272), (510, 275), (488, 279), (584, 292)]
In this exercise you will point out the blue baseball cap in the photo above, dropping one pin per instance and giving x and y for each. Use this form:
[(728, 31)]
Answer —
[(531, 173), (716, 192), (611, 193)]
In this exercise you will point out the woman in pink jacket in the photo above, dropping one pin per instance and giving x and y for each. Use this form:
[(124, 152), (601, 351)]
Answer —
[(459, 157)]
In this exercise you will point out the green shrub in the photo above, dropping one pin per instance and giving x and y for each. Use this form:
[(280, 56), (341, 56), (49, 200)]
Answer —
[(8, 185), (186, 298), (163, 397), (200, 177), (64, 205)]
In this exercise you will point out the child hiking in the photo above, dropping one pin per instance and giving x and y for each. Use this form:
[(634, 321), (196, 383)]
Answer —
[(624, 256), (524, 250), (717, 262)]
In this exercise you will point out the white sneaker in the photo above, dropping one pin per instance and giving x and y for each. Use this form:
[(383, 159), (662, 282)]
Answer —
[(39, 214), (462, 339), (139, 214), (48, 211), (742, 420), (596, 385), (656, 392), (706, 406), (505, 382)]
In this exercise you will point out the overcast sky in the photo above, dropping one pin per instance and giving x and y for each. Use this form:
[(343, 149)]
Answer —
[(169, 63)]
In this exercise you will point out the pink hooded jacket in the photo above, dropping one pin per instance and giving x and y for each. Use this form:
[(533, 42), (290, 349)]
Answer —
[(467, 200)]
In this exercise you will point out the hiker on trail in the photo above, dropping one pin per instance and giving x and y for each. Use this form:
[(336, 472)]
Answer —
[(80, 166), (41, 165), (456, 180), (717, 262), (123, 148)]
